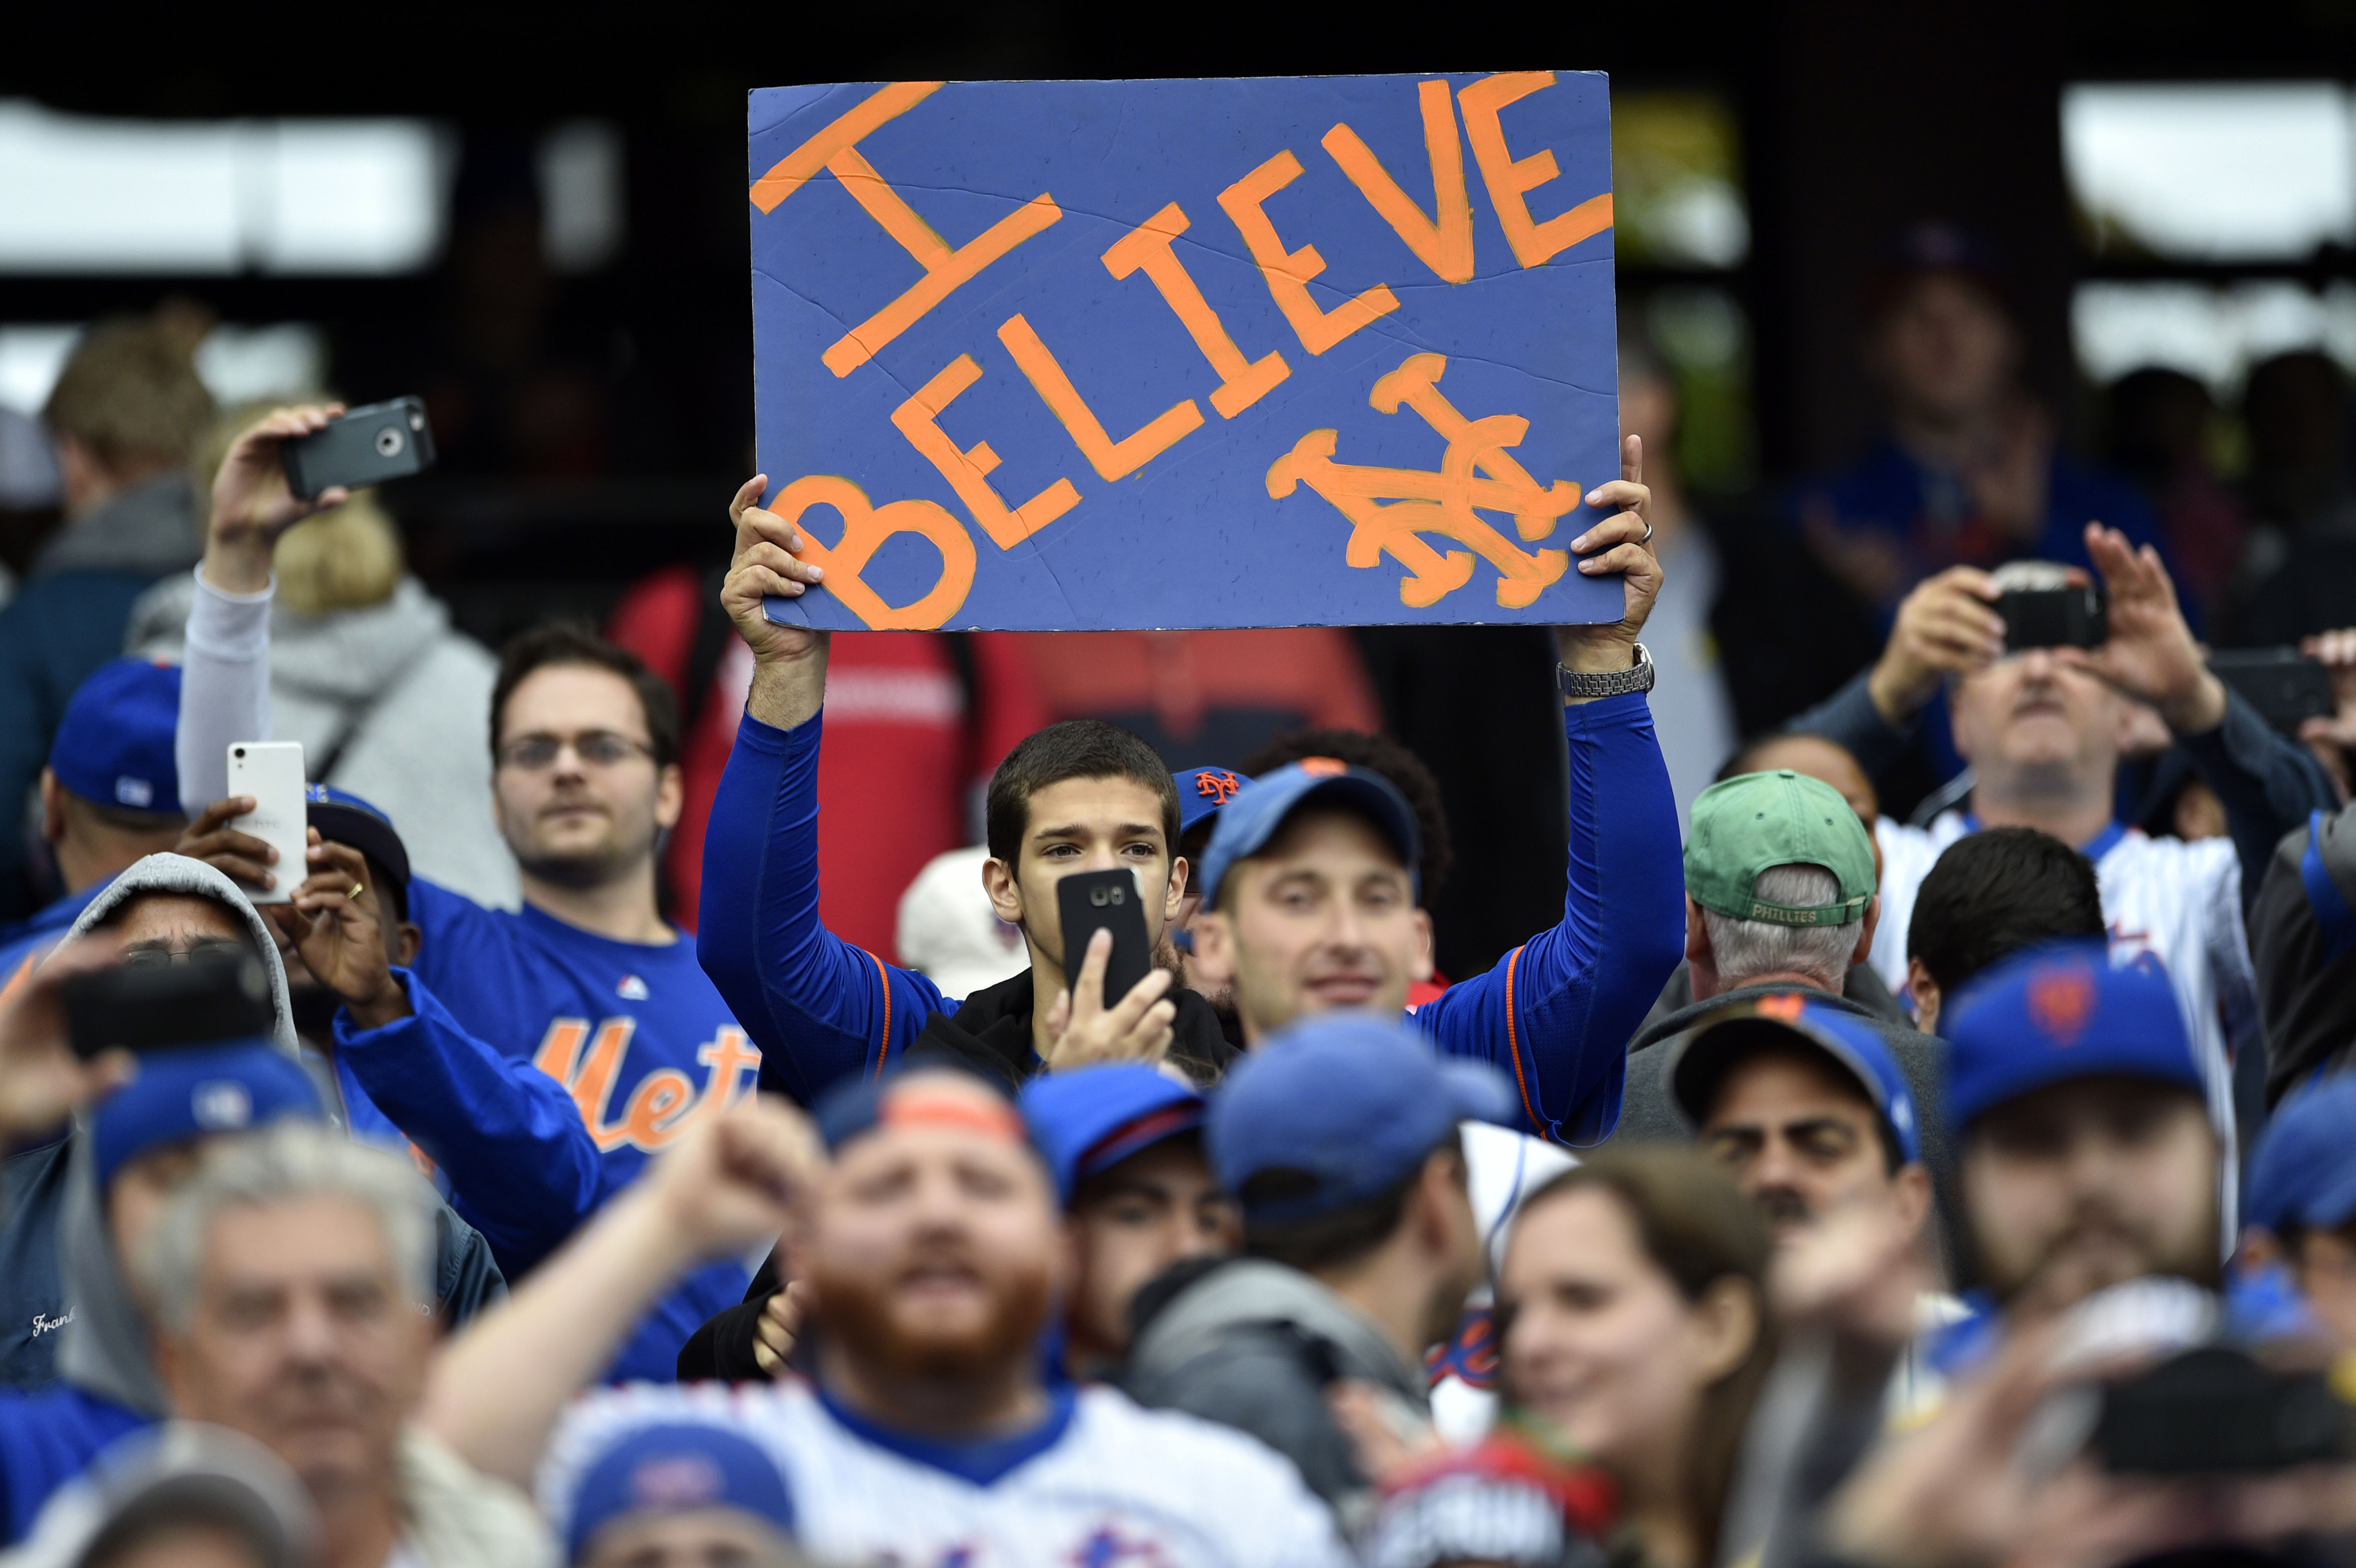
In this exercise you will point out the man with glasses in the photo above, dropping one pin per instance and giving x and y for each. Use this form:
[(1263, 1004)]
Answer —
[(586, 982)]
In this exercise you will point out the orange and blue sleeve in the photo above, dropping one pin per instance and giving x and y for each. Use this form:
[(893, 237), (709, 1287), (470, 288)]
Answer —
[(819, 1009), (1556, 1014)]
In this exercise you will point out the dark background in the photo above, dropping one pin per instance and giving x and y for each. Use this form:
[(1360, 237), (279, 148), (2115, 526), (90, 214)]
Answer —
[(1856, 117)]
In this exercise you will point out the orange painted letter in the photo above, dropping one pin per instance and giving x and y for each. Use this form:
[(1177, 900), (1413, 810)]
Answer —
[(1288, 272), (836, 149), (1510, 181), (864, 528), (1113, 459), (1242, 382), (968, 469), (1444, 241)]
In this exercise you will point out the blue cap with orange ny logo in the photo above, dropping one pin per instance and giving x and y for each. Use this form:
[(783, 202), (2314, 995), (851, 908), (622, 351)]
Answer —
[(1202, 791), (2057, 1013)]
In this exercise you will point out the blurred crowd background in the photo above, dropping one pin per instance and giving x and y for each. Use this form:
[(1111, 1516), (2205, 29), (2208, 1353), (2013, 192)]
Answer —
[(2140, 218)]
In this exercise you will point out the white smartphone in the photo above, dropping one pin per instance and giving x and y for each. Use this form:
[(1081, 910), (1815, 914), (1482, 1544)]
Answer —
[(272, 772)]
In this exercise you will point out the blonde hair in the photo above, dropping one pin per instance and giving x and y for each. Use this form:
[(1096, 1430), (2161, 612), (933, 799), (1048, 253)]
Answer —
[(347, 557)]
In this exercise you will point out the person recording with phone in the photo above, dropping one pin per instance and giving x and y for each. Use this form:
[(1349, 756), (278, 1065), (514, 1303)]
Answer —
[(541, 1055), (1085, 797), (2043, 727)]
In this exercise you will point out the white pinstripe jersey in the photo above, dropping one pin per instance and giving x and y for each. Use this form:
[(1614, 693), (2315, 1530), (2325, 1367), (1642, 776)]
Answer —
[(1121, 1488)]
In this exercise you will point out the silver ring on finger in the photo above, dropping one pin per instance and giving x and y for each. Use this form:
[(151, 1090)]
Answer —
[(1648, 532)]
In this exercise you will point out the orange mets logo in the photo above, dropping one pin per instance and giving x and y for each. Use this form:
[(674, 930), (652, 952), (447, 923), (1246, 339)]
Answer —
[(2060, 1003), (665, 1100), (1219, 787)]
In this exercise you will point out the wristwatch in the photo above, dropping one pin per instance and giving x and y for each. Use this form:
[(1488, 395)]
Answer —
[(1610, 683)]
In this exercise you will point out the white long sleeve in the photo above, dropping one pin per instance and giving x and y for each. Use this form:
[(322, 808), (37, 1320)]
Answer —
[(224, 687)]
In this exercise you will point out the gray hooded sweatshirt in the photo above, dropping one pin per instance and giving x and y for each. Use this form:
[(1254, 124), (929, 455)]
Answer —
[(1254, 1345), (390, 701), (104, 1347)]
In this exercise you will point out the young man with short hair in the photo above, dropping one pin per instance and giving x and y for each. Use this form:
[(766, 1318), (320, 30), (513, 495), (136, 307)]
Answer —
[(1090, 798), (1339, 1140), (125, 415), (586, 982), (928, 1236), (1989, 895)]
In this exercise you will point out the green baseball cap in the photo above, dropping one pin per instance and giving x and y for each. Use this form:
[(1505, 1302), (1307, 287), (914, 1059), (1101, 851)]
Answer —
[(1754, 822)]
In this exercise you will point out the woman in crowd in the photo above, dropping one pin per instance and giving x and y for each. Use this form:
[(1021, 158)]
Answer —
[(1633, 1320)]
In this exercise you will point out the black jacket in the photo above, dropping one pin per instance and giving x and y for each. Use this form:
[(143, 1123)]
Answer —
[(991, 1032)]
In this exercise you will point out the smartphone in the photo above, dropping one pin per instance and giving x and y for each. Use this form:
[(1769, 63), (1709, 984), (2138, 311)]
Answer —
[(2068, 617), (362, 446), (162, 1006), (2284, 685), (1107, 901), (2215, 1410), (272, 772)]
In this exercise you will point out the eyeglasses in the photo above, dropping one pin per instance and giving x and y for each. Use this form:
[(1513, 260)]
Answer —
[(210, 950), (598, 748)]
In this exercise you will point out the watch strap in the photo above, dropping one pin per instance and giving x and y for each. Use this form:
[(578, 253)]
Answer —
[(1608, 683)]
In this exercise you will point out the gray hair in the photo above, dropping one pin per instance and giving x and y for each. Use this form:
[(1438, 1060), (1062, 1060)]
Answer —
[(1747, 947), (284, 1164)]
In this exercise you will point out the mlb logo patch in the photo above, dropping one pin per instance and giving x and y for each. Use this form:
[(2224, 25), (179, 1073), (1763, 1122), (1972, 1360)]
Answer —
[(220, 1105), (631, 989), (136, 793)]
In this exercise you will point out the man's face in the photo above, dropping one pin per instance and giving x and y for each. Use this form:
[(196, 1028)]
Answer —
[(1159, 1206), (142, 1187), (690, 1538), (159, 927), (1945, 351), (304, 1338), (574, 820), (1797, 1136), (2087, 1184), (1086, 825), (2030, 715), (1323, 919), (935, 1251)]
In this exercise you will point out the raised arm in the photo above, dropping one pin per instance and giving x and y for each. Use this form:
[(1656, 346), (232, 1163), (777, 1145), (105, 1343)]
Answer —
[(225, 671), (818, 1007), (1558, 1011), (739, 1178), (1946, 625)]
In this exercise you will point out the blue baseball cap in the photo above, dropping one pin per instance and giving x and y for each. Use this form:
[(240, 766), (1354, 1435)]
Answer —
[(2057, 1013), (1249, 821), (1202, 791), (1349, 1102), (1700, 1059), (182, 1094), (2302, 1173), (671, 1468), (1087, 1121), (343, 817), (113, 747)]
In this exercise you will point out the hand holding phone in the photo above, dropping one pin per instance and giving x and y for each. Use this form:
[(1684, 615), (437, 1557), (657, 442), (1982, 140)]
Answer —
[(171, 1006), (365, 446), (1114, 1007), (272, 772)]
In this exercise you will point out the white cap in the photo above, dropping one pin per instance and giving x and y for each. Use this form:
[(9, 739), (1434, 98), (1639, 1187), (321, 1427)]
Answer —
[(948, 931)]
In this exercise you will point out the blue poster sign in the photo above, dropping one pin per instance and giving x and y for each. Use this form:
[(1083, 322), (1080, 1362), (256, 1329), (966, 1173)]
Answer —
[(1118, 355)]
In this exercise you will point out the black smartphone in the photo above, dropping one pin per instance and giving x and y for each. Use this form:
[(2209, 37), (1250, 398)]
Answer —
[(1107, 901), (2215, 1410), (363, 446), (2068, 617), (164, 1007), (2284, 685)]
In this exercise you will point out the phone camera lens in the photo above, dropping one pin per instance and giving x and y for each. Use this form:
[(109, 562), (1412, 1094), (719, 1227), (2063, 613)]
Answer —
[(240, 751), (390, 441)]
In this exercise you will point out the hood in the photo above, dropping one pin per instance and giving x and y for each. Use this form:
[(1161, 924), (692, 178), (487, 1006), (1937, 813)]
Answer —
[(105, 1348), (150, 528), (1242, 1291), (339, 657)]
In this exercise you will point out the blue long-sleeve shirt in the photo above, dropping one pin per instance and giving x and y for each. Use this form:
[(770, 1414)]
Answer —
[(1555, 1013)]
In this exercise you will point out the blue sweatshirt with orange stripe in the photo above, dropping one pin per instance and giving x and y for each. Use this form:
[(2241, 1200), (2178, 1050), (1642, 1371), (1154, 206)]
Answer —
[(1555, 1013)]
